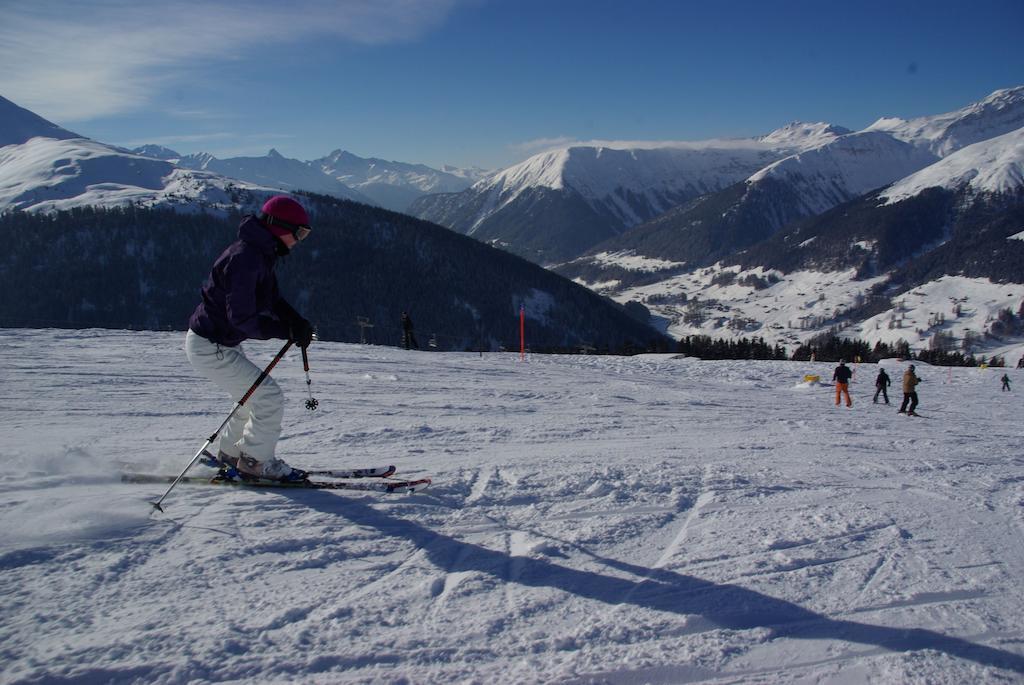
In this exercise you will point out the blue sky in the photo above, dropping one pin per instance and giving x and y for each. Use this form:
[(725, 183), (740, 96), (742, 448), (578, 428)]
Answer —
[(489, 82)]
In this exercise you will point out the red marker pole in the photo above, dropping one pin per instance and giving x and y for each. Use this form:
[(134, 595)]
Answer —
[(522, 333)]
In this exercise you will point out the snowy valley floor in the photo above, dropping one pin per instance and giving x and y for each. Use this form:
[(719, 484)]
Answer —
[(592, 520)]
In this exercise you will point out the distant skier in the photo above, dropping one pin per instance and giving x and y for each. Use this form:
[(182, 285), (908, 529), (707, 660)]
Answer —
[(1006, 382), (1020, 363), (842, 378), (408, 338), (910, 381), (241, 301), (881, 383)]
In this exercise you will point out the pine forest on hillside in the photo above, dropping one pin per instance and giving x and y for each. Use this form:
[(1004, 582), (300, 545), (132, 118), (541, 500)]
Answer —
[(143, 268)]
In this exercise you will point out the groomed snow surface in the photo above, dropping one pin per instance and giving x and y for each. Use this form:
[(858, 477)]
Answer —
[(592, 520)]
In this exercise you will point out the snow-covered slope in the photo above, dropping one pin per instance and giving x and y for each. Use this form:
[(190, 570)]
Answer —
[(276, 171), (791, 308), (844, 168), (592, 520), (52, 174), (991, 166), (999, 113)]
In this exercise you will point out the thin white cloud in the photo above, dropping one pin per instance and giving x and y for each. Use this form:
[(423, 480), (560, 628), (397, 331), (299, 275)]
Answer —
[(70, 60), (171, 141), (538, 145), (197, 114), (254, 144)]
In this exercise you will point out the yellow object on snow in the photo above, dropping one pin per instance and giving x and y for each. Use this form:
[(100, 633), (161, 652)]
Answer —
[(809, 378)]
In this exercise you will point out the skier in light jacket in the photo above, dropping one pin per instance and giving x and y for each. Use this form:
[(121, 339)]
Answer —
[(240, 300), (910, 381)]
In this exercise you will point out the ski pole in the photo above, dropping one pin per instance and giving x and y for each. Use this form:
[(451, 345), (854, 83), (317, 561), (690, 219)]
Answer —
[(311, 403), (241, 402)]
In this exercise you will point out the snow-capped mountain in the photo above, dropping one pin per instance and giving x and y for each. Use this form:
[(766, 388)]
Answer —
[(570, 199), (158, 152), (48, 174), (844, 168), (803, 136), (393, 185), (991, 166), (276, 171), (18, 125), (45, 167), (471, 174), (560, 202), (999, 113), (810, 244), (804, 184)]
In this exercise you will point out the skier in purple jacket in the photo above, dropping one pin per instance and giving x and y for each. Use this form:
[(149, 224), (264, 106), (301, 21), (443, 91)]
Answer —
[(241, 301)]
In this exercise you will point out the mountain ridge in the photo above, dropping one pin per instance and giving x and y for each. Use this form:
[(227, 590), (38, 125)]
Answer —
[(21, 125)]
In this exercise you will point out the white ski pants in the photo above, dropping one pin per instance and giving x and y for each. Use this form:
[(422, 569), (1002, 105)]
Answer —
[(256, 426)]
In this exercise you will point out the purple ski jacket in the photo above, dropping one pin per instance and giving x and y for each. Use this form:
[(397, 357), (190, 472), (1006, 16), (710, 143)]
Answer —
[(241, 298)]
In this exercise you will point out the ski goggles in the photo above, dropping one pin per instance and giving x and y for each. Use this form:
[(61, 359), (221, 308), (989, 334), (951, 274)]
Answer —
[(298, 231)]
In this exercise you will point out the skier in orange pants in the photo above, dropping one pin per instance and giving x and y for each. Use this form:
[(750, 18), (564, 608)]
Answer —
[(842, 377)]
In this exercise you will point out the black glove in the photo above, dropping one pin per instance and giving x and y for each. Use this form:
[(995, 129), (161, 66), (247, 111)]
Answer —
[(301, 332)]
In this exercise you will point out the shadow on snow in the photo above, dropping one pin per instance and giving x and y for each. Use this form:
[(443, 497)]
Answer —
[(726, 606)]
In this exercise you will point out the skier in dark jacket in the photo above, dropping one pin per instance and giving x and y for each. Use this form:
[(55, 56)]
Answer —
[(1006, 382), (881, 383), (240, 300), (842, 378), (408, 338)]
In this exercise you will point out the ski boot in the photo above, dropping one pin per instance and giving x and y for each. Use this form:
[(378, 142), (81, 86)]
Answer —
[(225, 464), (249, 468), (222, 459)]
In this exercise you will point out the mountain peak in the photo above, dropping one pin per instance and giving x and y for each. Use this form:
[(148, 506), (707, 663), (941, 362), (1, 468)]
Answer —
[(1004, 97), (18, 125), (804, 135), (1000, 112), (275, 154), (157, 152)]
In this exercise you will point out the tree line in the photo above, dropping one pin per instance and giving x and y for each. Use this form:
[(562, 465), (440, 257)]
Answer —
[(142, 268)]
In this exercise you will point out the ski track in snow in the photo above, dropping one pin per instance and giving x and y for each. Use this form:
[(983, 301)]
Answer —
[(592, 520)]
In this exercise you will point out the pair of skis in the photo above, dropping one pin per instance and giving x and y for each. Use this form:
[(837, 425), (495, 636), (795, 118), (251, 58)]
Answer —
[(344, 480)]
